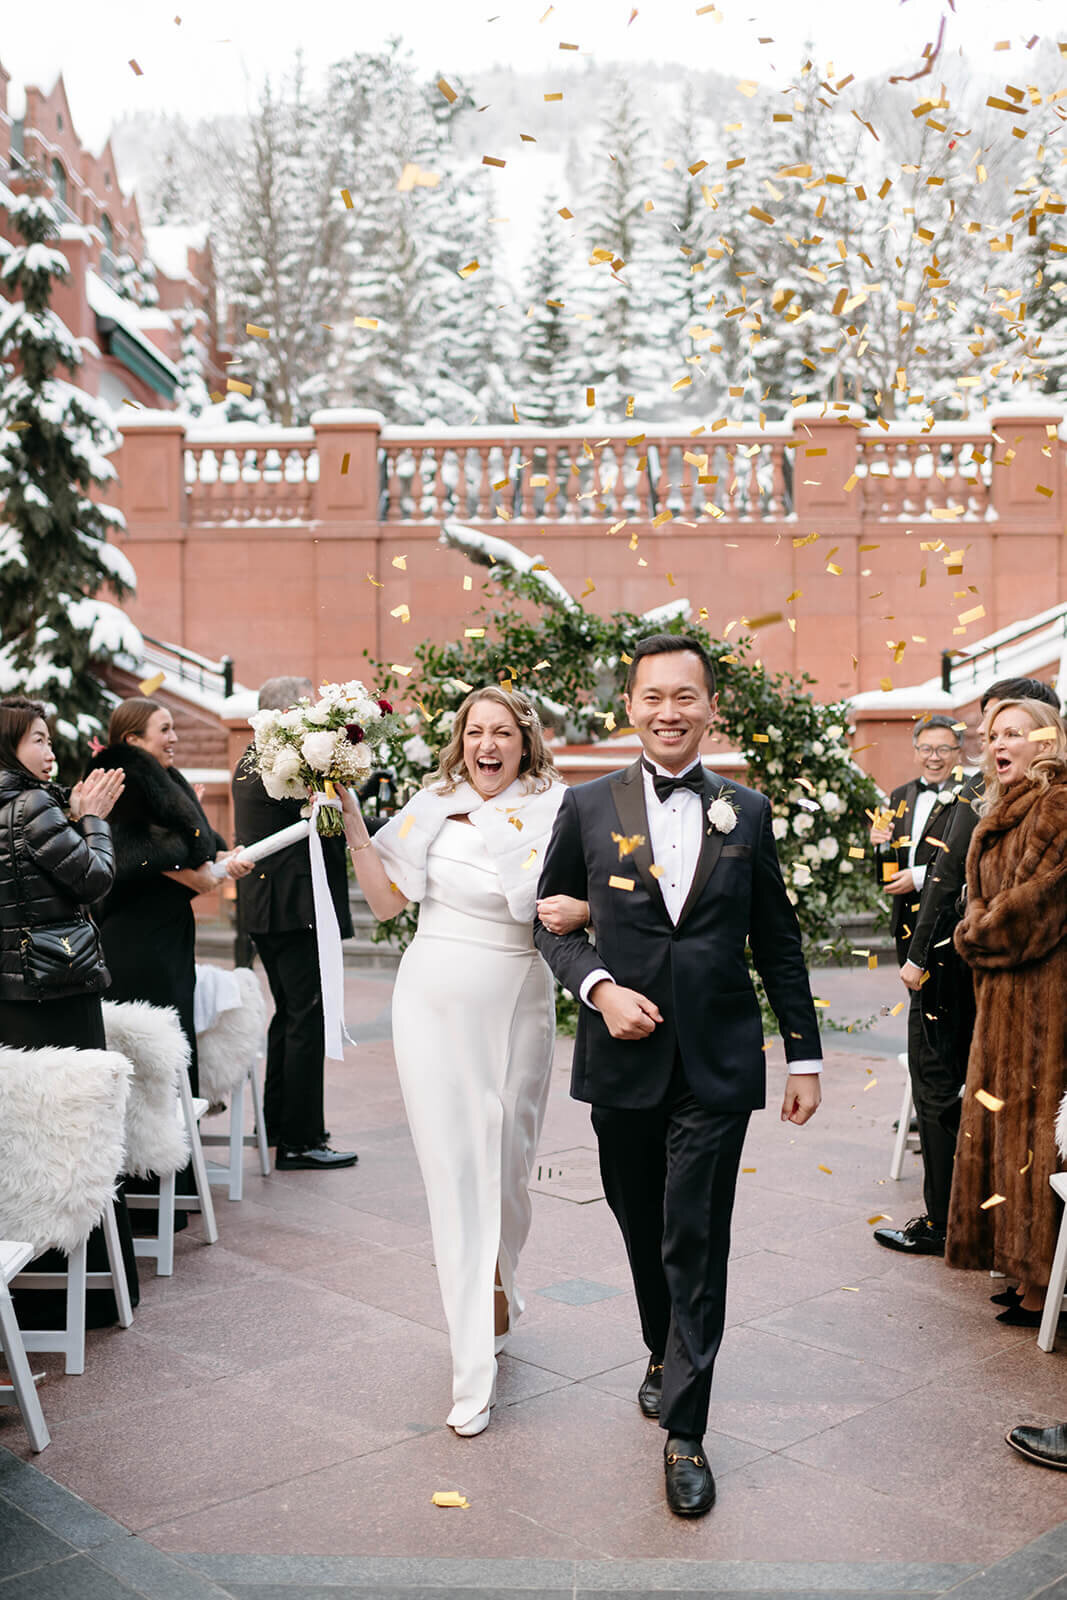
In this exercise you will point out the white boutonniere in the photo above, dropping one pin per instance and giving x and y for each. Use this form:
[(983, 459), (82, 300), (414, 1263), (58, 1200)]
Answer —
[(944, 796), (722, 813)]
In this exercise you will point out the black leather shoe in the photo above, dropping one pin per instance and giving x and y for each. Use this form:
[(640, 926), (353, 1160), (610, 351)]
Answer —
[(318, 1159), (1017, 1316), (1046, 1446), (651, 1391), (1010, 1297), (918, 1238), (690, 1485)]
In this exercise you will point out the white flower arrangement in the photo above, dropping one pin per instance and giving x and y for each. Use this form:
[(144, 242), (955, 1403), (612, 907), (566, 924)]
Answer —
[(313, 745)]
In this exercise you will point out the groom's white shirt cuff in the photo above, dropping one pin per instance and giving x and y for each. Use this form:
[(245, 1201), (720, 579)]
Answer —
[(796, 1068)]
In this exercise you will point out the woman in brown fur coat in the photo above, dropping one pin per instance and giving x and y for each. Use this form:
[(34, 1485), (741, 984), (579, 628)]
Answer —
[(1014, 935)]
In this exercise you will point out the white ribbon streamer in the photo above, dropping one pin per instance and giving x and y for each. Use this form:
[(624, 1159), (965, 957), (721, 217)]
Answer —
[(328, 939)]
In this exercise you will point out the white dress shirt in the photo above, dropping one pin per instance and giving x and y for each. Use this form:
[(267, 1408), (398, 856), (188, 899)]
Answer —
[(925, 801), (675, 836)]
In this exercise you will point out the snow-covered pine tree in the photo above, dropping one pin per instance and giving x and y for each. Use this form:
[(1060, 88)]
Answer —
[(192, 391), (136, 281), (625, 349), (680, 234), (282, 239), (547, 386), (54, 552)]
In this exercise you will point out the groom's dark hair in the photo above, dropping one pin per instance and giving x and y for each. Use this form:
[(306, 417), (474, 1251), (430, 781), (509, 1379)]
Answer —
[(663, 644)]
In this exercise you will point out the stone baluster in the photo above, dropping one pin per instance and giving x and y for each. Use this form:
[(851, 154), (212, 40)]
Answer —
[(396, 486), (484, 510)]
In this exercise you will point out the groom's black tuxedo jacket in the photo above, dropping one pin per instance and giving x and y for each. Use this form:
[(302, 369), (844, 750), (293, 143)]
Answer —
[(696, 972)]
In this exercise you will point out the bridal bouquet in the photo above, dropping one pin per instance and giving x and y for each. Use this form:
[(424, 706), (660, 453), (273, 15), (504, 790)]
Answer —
[(315, 744)]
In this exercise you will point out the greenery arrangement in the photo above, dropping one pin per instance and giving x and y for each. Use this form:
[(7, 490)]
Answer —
[(572, 662)]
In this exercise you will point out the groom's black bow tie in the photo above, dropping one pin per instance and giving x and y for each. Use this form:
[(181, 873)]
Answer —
[(665, 786)]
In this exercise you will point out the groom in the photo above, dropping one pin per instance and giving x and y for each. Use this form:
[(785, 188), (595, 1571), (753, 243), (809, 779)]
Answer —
[(680, 870)]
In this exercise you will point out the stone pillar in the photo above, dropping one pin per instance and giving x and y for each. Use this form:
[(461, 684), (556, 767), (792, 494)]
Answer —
[(345, 543), (823, 461), (151, 494)]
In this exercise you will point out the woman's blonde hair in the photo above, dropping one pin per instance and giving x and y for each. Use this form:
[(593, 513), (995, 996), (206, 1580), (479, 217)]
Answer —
[(1048, 761), (536, 767)]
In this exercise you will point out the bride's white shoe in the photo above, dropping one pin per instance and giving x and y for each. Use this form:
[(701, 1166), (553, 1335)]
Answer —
[(478, 1423)]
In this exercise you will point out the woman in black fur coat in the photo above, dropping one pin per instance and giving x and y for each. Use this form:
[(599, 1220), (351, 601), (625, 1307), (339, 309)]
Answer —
[(163, 845)]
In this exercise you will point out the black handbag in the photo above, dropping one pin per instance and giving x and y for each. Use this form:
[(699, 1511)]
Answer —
[(62, 958)]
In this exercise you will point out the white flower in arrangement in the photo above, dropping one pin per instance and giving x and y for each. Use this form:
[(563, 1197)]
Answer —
[(417, 751), (802, 823), (780, 827), (818, 748), (774, 767), (282, 779), (834, 731), (318, 750), (832, 802), (828, 848), (721, 815), (264, 725), (846, 866), (446, 721), (801, 876), (293, 719), (319, 713), (810, 852), (944, 796), (774, 733)]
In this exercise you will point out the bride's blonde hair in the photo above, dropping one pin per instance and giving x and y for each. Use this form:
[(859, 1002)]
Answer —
[(1048, 761), (536, 768)]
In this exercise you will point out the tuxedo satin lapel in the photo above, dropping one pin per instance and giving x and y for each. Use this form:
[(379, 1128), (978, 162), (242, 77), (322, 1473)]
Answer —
[(628, 793), (711, 845)]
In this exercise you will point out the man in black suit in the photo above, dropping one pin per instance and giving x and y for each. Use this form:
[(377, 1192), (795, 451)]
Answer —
[(276, 909), (680, 870), (908, 846)]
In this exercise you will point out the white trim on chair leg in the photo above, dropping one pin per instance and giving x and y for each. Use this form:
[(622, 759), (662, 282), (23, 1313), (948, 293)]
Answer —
[(200, 1201), (896, 1166), (1057, 1278), (22, 1390), (68, 1342), (259, 1124)]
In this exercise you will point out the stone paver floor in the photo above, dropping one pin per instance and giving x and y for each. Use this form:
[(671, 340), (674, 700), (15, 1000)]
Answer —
[(273, 1423)]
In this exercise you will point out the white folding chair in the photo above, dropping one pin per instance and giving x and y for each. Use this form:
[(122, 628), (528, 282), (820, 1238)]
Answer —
[(904, 1139), (22, 1390), (160, 1248), (69, 1341), (237, 1140), (1057, 1280)]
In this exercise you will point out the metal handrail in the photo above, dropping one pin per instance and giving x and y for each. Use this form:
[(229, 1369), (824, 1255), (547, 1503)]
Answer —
[(193, 668), (1054, 620)]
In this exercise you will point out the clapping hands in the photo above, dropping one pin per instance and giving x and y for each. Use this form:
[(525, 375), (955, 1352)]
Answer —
[(96, 794)]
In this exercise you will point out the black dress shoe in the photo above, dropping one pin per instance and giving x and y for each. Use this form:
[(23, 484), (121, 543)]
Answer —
[(319, 1158), (918, 1238), (1017, 1316), (1010, 1297), (690, 1485), (651, 1391), (1046, 1446)]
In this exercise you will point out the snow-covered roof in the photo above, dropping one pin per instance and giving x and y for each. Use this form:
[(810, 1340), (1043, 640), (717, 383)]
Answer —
[(132, 319), (169, 243)]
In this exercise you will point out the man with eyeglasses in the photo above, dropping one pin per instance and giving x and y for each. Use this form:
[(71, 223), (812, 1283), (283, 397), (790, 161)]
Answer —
[(908, 838)]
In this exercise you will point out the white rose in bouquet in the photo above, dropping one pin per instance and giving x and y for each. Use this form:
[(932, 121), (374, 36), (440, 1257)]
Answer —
[(832, 802), (779, 827), (846, 866), (801, 876), (802, 823), (282, 778), (829, 849), (810, 852), (292, 720), (417, 751), (319, 750), (264, 725), (318, 713)]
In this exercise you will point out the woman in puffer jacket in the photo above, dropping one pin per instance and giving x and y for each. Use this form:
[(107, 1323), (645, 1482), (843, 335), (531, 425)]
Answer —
[(56, 859)]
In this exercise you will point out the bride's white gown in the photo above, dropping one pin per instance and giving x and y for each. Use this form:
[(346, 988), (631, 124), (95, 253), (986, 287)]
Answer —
[(473, 1027)]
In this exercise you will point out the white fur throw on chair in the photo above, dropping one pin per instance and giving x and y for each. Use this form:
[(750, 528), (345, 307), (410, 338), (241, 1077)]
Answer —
[(1061, 1129), (225, 1050), (152, 1038), (62, 1142)]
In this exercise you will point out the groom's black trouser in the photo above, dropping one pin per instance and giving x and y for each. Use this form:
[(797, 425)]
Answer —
[(669, 1175)]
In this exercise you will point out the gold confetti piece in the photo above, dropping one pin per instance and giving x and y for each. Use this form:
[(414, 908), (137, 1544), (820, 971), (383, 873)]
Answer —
[(451, 1498), (897, 1009), (1041, 734), (20, 427), (856, 853), (765, 620), (761, 215), (627, 843), (828, 1170), (748, 88), (345, 459), (656, 871), (994, 1200), (403, 672), (553, 96), (590, 397), (17, 427), (620, 883), (1029, 1163), (401, 562), (824, 1004), (372, 579), (406, 826), (590, 588), (684, 383), (136, 68), (470, 269), (402, 613), (446, 89), (1041, 489), (468, 584), (973, 615), (879, 1217), (530, 859), (347, 198), (846, 1288), (568, 47), (474, 633), (148, 686), (256, 333), (664, 516), (988, 1100), (236, 387)]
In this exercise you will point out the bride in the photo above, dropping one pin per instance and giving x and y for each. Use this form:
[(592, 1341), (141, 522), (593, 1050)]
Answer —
[(473, 1008)]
